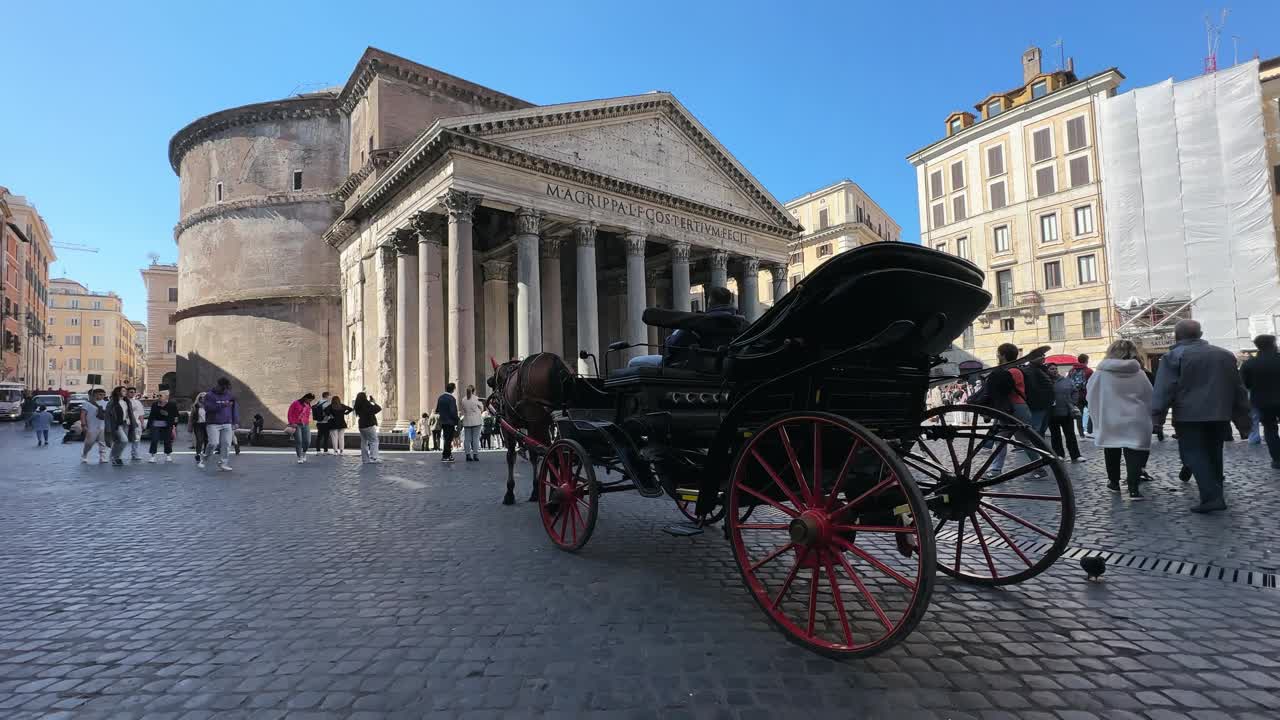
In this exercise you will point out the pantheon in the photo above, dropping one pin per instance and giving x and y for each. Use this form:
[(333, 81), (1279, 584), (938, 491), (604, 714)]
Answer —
[(410, 227)]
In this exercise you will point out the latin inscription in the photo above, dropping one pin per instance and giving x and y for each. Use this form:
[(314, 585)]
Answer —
[(652, 214)]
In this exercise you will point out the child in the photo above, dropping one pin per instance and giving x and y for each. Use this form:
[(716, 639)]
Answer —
[(40, 423), (413, 434), (256, 433)]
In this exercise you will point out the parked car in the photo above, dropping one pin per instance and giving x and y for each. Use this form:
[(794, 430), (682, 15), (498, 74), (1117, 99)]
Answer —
[(52, 403), (72, 410), (11, 401)]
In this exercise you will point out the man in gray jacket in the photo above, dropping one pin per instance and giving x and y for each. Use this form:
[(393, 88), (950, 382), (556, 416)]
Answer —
[(1201, 384)]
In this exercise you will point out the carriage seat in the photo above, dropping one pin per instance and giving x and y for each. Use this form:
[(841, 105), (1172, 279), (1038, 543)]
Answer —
[(698, 352)]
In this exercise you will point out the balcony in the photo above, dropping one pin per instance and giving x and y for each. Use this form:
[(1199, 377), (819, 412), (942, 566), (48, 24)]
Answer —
[(1027, 305)]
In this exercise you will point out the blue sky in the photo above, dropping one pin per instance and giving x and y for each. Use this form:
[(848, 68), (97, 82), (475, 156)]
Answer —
[(92, 92)]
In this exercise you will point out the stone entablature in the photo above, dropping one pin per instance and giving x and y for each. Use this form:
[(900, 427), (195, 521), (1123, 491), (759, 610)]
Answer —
[(375, 62), (291, 108)]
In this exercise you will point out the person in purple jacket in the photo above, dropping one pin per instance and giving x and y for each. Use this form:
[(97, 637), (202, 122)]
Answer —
[(222, 416)]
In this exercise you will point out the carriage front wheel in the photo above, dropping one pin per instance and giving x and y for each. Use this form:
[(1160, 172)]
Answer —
[(568, 496), (831, 534), (1001, 500)]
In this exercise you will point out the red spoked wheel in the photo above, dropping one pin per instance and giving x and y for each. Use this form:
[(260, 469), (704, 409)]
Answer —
[(1002, 501), (831, 534), (568, 496)]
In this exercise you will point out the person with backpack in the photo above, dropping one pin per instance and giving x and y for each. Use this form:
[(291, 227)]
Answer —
[(1005, 390), (319, 413), (337, 424), (1080, 374), (1039, 388), (299, 419), (367, 421), (447, 410), (1062, 424)]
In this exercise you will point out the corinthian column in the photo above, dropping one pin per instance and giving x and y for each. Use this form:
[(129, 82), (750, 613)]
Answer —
[(552, 309), (431, 349), (497, 274), (386, 279), (719, 269), (406, 243), (680, 299), (749, 289), (652, 278), (462, 313), (584, 238), (528, 292), (778, 272), (635, 329)]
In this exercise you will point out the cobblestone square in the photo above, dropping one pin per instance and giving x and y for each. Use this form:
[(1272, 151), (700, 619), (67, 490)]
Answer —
[(335, 590)]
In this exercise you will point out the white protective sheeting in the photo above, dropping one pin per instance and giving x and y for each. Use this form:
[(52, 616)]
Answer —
[(1187, 196)]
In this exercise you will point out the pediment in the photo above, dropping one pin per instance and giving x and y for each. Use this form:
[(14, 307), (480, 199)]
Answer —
[(653, 143)]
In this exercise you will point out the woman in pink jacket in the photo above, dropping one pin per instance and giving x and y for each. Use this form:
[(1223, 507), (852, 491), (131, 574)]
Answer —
[(300, 425)]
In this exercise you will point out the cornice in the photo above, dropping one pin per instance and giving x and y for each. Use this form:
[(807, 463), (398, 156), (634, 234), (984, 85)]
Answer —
[(825, 234), (374, 63), (659, 103), (379, 160), (211, 212), (300, 294), (287, 109)]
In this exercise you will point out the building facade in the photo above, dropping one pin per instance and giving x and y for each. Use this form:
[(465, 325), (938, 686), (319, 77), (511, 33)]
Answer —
[(411, 228), (1269, 76), (27, 251), (88, 335), (836, 218), (1015, 189), (161, 337), (140, 348)]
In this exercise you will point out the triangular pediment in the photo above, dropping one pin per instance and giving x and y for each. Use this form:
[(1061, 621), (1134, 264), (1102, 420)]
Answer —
[(649, 140)]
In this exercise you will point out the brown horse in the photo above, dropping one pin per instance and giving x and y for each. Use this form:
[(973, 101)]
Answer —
[(525, 392)]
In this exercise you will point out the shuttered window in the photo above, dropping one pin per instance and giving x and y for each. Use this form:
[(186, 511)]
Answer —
[(1076, 139), (1057, 327), (962, 247), (1049, 228), (1000, 239), (939, 215), (1079, 171), (1052, 275), (1042, 144), (995, 161), (998, 199), (935, 185), (957, 175), (822, 219), (957, 209), (1045, 181), (1092, 322)]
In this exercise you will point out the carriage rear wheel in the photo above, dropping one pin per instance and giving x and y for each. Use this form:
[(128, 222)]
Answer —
[(831, 534), (568, 495), (1001, 500), (687, 508)]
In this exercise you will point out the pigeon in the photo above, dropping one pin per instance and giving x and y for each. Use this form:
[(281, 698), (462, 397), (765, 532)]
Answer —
[(1094, 566)]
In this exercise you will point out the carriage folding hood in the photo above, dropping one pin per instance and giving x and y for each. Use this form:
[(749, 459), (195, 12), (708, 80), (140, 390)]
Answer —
[(1187, 193)]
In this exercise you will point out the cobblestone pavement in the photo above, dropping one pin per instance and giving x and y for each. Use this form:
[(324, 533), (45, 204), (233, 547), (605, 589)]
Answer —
[(406, 589)]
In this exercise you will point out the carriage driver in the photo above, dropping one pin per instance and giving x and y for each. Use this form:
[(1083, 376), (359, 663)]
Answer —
[(719, 302)]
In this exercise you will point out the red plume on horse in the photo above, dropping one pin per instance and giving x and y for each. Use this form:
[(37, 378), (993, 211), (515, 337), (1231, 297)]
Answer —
[(525, 394)]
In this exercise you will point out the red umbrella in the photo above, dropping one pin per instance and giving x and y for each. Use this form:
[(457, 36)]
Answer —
[(1061, 360)]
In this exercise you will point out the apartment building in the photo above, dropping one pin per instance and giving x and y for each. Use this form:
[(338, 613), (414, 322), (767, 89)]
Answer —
[(26, 249), (1015, 188), (836, 218), (162, 334), (88, 335)]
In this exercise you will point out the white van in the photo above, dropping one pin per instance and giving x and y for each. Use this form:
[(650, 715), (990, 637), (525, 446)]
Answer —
[(11, 400)]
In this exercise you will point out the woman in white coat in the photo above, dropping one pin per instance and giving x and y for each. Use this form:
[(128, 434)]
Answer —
[(472, 419), (1120, 404)]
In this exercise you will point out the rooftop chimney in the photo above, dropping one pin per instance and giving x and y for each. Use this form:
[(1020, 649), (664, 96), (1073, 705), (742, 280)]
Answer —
[(1030, 64)]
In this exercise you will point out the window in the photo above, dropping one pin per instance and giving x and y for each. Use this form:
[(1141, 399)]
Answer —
[(98, 340), (939, 215), (1057, 327), (1052, 275), (53, 365), (1087, 267), (824, 249), (73, 322), (1045, 181), (73, 363), (173, 294), (1039, 89), (955, 126), (1078, 170), (994, 108), (1000, 237), (75, 304), (957, 175), (795, 258), (957, 208), (966, 340), (1076, 139), (940, 247), (962, 247), (1092, 322), (51, 320), (795, 280), (1042, 144), (695, 305), (1276, 169), (995, 160), (1084, 220), (822, 219), (97, 304), (1004, 288), (935, 185), (998, 199), (170, 345), (96, 364), (1049, 228), (297, 179), (217, 192), (97, 322), (1006, 324)]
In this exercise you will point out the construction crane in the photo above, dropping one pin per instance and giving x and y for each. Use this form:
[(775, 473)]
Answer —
[(74, 246), (1213, 36)]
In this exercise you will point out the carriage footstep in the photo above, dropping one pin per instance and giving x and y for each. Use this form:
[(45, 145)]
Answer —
[(682, 530)]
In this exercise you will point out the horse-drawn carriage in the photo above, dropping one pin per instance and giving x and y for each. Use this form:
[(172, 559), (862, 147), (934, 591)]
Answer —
[(807, 433)]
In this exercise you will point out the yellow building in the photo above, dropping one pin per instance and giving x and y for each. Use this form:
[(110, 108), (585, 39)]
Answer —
[(835, 218), (161, 354), (1015, 189), (88, 334)]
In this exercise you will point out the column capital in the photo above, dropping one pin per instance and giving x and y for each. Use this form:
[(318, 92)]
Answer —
[(460, 204), (751, 265), (496, 270), (635, 243), (720, 260), (528, 221), (653, 277), (584, 233), (550, 248), (429, 226), (405, 241), (775, 268), (679, 251)]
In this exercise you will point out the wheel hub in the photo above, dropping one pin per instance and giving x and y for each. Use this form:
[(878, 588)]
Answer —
[(813, 528)]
